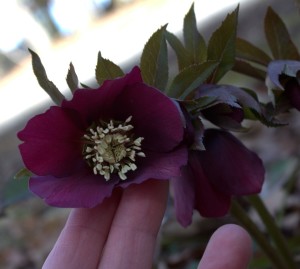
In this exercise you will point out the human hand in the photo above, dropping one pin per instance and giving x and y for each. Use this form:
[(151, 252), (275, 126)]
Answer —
[(121, 233)]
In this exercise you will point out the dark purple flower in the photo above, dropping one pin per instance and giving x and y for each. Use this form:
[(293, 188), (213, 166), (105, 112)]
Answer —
[(122, 133), (224, 116), (224, 169), (227, 109), (285, 75)]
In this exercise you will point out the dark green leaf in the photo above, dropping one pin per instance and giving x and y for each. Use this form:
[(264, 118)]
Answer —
[(194, 42), (106, 69), (85, 86), (251, 92), (72, 79), (247, 51), (154, 60), (195, 105), (43, 80), (249, 70), (15, 189), (266, 116), (191, 78), (221, 46), (23, 173), (278, 37), (181, 52)]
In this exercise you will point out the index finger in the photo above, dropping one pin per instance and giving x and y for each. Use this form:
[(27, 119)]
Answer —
[(132, 238), (82, 239)]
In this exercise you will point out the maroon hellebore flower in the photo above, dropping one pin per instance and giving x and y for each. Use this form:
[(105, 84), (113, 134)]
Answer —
[(122, 133), (224, 169), (224, 116), (227, 110), (285, 74)]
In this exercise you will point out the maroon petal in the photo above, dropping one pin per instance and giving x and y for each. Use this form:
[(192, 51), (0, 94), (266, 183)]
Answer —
[(229, 165), (81, 190), (209, 201), (52, 143), (224, 116), (184, 196), (95, 104), (158, 166), (213, 113), (293, 92), (154, 116)]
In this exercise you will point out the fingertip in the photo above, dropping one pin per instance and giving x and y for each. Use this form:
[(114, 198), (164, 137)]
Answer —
[(230, 247), (236, 232)]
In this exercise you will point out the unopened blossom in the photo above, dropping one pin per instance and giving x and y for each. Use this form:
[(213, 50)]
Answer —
[(226, 168), (125, 132), (285, 75), (227, 110), (224, 115)]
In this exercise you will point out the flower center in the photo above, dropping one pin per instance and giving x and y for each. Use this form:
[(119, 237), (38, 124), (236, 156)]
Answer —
[(112, 148)]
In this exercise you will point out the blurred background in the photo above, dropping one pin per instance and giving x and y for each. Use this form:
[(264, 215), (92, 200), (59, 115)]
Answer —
[(61, 31)]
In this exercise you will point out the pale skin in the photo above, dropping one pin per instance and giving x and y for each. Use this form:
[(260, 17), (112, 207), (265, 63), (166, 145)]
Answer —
[(122, 231)]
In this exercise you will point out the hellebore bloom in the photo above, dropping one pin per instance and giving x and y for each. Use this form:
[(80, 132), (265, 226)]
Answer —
[(227, 110), (285, 74), (224, 116), (224, 169), (122, 133)]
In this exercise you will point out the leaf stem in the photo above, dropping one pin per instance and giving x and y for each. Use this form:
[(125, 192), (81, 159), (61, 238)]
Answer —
[(238, 212), (273, 230)]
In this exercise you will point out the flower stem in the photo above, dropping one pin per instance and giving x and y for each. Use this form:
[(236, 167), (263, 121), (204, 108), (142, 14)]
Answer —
[(238, 212), (273, 230)]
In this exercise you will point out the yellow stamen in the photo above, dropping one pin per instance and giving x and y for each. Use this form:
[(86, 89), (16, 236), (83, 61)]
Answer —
[(111, 148)]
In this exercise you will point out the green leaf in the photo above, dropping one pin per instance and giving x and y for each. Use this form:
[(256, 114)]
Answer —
[(23, 173), (154, 60), (85, 86), (194, 42), (247, 51), (203, 102), (278, 37), (266, 117), (15, 190), (221, 46), (252, 93), (190, 78), (249, 70), (106, 69), (43, 80), (72, 79), (181, 52)]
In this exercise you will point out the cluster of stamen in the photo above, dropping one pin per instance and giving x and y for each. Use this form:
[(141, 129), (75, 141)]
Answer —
[(112, 148)]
